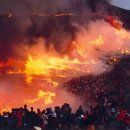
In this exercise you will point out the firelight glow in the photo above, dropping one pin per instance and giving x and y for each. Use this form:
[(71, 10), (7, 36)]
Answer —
[(43, 72)]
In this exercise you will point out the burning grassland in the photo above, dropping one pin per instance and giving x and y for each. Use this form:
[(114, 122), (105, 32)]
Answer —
[(37, 58), (38, 74)]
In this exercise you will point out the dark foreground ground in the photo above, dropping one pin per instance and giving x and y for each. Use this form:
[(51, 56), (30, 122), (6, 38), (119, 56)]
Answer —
[(112, 126)]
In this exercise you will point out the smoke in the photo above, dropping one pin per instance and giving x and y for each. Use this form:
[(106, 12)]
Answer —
[(46, 6), (20, 25)]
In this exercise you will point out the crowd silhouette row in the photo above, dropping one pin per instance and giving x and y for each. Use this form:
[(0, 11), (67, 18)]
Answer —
[(62, 118)]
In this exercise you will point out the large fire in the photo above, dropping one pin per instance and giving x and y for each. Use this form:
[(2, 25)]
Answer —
[(44, 71)]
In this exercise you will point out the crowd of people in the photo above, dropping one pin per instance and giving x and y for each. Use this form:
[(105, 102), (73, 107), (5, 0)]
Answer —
[(108, 94), (112, 86), (62, 118)]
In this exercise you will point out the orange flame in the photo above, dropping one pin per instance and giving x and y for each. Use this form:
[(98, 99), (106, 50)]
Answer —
[(47, 96), (114, 22)]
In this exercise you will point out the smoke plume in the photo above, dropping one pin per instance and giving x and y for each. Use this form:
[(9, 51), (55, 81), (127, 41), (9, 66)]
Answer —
[(20, 22)]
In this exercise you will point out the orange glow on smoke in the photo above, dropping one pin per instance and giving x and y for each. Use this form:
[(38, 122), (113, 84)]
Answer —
[(46, 70), (12, 63), (98, 41)]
